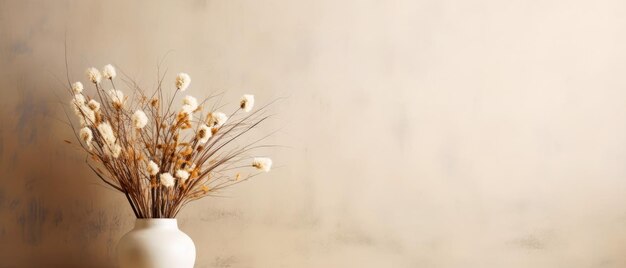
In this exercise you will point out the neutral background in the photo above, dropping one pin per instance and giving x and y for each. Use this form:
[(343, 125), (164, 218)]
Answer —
[(421, 133)]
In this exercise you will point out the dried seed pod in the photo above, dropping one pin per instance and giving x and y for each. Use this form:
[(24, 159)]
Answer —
[(187, 151)]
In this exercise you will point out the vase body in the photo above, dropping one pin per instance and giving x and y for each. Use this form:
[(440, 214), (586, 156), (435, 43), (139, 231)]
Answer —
[(156, 243)]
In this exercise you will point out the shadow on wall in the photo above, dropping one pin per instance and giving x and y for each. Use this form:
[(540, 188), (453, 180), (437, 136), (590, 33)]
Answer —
[(51, 205)]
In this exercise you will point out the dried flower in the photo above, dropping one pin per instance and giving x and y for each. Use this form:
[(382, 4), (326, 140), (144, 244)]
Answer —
[(90, 118), (182, 81), (137, 141), (262, 163), (188, 109), (139, 119), (152, 168), (112, 150), (167, 180), (117, 97), (216, 119), (87, 116), (77, 87), (191, 102), (106, 131), (87, 136), (183, 175), (204, 133), (109, 72), (94, 75), (93, 105), (192, 167), (247, 102), (79, 100), (185, 113)]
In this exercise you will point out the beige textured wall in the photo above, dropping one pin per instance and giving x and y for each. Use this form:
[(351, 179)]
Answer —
[(421, 133)]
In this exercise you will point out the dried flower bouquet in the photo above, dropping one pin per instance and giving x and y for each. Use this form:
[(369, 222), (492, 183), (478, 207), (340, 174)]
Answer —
[(161, 155)]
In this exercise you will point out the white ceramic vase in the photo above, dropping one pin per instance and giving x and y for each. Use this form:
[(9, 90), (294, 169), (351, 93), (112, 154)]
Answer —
[(156, 243)]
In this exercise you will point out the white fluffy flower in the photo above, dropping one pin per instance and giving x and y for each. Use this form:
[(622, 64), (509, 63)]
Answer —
[(87, 116), (183, 175), (94, 75), (167, 180), (93, 105), (262, 163), (112, 150), (191, 102), (185, 113), (110, 147), (90, 117), (216, 119), (106, 131), (182, 81), (87, 136), (79, 100), (117, 97), (78, 103), (188, 109), (204, 133), (77, 87), (247, 102), (109, 71), (139, 119), (152, 168), (117, 149)]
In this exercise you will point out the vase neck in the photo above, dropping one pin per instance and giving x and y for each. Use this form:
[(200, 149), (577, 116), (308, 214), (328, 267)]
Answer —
[(156, 223)]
